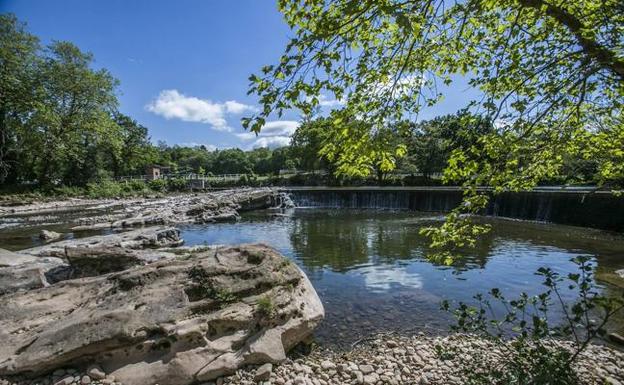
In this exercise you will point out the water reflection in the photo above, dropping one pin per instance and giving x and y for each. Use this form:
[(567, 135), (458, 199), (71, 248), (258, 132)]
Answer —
[(370, 270), (383, 278)]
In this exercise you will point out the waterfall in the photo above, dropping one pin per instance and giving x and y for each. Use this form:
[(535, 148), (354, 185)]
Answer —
[(598, 210)]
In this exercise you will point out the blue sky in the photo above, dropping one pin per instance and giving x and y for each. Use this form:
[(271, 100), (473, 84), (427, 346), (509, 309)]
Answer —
[(183, 65)]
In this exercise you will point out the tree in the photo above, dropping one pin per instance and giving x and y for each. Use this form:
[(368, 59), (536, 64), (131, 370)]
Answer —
[(18, 59), (136, 150), (431, 142), (551, 76), (72, 117)]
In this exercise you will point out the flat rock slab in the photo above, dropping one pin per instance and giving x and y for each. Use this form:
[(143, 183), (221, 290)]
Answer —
[(174, 322), (148, 237)]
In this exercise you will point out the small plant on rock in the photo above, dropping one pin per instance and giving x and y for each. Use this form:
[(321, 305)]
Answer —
[(265, 306), (532, 350), (204, 288)]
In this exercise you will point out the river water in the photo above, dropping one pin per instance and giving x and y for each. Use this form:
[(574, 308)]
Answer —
[(370, 268)]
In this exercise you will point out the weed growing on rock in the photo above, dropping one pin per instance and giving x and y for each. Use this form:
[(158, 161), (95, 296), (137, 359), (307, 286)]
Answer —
[(265, 306), (204, 288), (533, 352)]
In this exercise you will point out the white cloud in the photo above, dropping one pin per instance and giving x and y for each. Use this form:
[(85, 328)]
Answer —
[(234, 107), (325, 101), (209, 147), (273, 134), (272, 142), (172, 104)]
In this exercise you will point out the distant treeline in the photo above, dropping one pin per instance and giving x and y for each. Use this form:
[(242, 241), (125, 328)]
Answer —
[(60, 126)]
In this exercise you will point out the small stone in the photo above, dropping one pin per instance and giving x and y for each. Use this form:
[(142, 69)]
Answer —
[(263, 373), (96, 373), (65, 381), (616, 338), (371, 379), (47, 235), (85, 380), (366, 369), (391, 344), (327, 365)]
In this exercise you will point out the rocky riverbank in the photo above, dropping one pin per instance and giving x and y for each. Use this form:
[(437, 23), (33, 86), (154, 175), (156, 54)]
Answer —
[(97, 214), (381, 360)]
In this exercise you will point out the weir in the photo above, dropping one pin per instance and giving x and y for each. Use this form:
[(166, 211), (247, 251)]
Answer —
[(562, 205)]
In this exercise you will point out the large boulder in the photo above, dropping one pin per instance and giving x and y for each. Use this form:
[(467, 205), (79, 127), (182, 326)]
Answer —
[(174, 322)]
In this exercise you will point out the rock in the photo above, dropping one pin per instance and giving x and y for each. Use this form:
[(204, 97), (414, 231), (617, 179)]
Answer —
[(98, 260), (96, 373), (327, 365), (263, 373), (10, 258), (371, 379), (30, 273), (85, 380), (49, 236), (150, 237), (616, 338), (620, 273), (366, 369), (174, 322), (65, 381)]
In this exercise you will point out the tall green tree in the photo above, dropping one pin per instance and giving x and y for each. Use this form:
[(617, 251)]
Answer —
[(551, 76), (72, 117), (18, 62)]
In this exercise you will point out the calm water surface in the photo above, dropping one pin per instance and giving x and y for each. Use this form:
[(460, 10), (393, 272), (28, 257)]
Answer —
[(370, 270), (369, 266)]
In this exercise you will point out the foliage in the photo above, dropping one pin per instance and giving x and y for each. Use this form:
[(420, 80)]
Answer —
[(265, 306), (535, 353), (551, 78), (58, 118)]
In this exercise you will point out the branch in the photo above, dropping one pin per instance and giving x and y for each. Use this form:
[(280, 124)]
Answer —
[(604, 56)]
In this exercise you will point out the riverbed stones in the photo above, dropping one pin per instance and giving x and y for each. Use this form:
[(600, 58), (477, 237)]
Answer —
[(175, 321), (390, 367)]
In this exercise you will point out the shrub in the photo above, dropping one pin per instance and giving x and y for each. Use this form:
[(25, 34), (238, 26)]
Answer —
[(531, 346), (104, 189), (159, 185), (177, 184)]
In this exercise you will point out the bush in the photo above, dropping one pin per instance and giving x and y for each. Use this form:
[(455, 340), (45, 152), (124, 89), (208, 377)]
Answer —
[(533, 352), (177, 184), (159, 185), (104, 189)]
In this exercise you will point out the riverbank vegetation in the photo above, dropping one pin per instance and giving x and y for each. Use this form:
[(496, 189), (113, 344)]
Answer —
[(61, 134)]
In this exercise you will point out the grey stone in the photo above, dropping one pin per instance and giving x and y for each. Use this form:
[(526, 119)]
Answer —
[(263, 373), (48, 236), (168, 322)]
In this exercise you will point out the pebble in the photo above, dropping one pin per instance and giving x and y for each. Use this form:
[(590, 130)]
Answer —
[(382, 361), (263, 373)]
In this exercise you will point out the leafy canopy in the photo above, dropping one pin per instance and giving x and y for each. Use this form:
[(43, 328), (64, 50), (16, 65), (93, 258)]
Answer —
[(551, 77)]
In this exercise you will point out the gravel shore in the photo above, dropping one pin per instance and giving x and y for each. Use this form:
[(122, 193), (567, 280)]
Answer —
[(384, 359)]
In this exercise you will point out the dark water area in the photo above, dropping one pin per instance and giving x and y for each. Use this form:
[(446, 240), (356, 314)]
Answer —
[(370, 268)]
